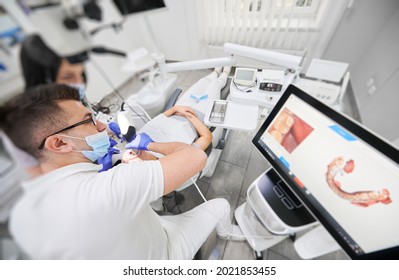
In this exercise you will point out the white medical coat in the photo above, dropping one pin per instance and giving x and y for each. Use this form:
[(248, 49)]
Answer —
[(76, 213)]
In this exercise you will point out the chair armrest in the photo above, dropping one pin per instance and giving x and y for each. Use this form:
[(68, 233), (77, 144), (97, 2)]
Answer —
[(172, 100)]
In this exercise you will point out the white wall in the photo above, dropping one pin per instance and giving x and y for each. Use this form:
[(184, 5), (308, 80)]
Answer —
[(358, 29), (379, 107), (368, 39)]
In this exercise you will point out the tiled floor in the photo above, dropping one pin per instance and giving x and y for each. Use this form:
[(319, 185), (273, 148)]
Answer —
[(239, 165)]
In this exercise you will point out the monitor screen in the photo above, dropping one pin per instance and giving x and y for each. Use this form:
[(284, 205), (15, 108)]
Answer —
[(344, 174), (245, 74), (127, 7)]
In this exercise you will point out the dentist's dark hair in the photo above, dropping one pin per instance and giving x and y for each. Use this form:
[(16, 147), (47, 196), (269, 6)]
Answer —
[(30, 117)]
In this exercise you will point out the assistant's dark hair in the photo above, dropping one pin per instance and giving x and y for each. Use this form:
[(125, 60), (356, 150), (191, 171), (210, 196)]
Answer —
[(39, 63), (28, 118)]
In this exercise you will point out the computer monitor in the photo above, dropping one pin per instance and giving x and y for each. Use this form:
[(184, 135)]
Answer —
[(344, 174)]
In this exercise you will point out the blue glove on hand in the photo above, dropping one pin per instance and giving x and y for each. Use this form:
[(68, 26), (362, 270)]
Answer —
[(106, 160), (139, 142), (114, 127)]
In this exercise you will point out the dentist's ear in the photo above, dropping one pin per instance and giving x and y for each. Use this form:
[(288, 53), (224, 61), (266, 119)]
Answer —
[(58, 144)]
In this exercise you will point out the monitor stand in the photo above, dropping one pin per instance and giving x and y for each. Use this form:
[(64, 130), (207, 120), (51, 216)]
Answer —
[(287, 208), (315, 243), (272, 213)]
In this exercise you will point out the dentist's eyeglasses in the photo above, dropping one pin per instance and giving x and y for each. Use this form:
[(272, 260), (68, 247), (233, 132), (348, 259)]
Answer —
[(91, 119)]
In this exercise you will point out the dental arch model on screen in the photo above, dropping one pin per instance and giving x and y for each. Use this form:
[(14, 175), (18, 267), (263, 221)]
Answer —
[(359, 198)]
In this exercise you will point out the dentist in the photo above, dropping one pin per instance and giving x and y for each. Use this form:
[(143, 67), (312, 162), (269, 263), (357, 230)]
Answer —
[(73, 212)]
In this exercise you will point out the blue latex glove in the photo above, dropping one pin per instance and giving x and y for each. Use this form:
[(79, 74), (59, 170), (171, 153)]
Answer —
[(140, 142), (114, 127), (106, 160)]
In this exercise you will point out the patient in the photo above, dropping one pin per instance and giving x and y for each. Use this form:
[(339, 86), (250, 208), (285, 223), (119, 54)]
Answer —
[(184, 122), (179, 123)]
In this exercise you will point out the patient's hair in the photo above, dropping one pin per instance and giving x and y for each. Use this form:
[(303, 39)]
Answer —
[(28, 118)]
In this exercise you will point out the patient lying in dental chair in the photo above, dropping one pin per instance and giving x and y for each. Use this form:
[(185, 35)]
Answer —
[(178, 123), (184, 121)]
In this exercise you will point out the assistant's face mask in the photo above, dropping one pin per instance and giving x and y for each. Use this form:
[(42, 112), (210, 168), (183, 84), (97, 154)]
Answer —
[(98, 141), (81, 88)]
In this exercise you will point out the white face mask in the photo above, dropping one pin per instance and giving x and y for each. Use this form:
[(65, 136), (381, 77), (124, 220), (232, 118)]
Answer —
[(98, 141), (81, 88)]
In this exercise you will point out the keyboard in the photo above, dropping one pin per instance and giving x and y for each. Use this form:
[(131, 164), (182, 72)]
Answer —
[(327, 93)]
